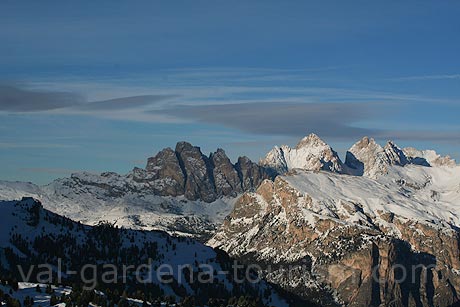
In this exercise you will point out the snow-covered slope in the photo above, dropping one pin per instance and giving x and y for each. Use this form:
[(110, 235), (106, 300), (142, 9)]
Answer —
[(91, 198), (32, 236), (424, 194)]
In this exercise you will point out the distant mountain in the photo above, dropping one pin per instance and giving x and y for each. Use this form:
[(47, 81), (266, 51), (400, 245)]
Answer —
[(311, 153), (365, 158)]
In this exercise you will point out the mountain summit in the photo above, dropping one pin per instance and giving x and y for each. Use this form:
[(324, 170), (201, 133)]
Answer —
[(365, 158), (311, 153)]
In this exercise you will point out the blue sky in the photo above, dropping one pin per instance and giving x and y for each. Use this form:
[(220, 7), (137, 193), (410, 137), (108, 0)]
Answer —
[(98, 86)]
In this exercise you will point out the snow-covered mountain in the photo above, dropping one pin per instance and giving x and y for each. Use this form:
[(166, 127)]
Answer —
[(311, 153), (367, 158), (348, 235), (180, 191)]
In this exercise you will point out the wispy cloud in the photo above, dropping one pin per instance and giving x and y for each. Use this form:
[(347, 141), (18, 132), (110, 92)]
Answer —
[(292, 119), (226, 97), (11, 145), (123, 103), (450, 137), (428, 77)]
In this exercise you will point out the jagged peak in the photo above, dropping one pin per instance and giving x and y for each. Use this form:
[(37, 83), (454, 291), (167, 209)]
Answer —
[(395, 154), (311, 140), (311, 153), (391, 144), (183, 145), (219, 155), (221, 151), (365, 143)]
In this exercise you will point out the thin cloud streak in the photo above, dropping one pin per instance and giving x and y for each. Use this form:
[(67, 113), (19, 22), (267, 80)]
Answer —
[(428, 77), (444, 137), (10, 145)]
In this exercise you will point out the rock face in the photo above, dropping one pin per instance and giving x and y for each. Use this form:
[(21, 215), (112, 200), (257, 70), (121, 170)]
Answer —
[(226, 177), (199, 180), (165, 169), (311, 153), (353, 240), (186, 171)]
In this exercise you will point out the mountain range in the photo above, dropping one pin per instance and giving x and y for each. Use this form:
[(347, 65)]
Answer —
[(180, 191), (337, 233)]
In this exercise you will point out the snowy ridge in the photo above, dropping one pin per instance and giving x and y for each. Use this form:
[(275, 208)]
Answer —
[(90, 204), (427, 195)]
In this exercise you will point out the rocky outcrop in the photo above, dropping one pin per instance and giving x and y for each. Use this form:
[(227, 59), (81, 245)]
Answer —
[(311, 153), (351, 240), (166, 171), (225, 174), (186, 171), (197, 172), (366, 158)]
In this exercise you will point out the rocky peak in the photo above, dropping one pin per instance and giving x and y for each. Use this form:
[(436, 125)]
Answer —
[(311, 140), (395, 154), (250, 173), (186, 171), (275, 160), (366, 158), (311, 153), (365, 143), (165, 169), (198, 173), (226, 178)]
